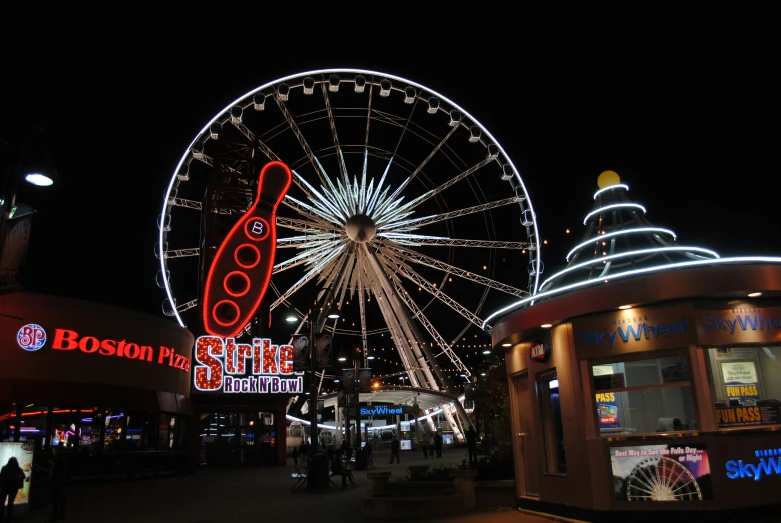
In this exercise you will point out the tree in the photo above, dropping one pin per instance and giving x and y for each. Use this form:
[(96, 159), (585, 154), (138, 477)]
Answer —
[(492, 399)]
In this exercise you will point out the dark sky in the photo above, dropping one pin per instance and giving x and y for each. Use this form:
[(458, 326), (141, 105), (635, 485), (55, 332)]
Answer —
[(683, 105)]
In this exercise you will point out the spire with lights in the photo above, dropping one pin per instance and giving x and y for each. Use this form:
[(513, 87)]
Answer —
[(619, 239)]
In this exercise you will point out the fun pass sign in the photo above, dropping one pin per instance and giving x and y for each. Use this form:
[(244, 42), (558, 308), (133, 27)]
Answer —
[(260, 367)]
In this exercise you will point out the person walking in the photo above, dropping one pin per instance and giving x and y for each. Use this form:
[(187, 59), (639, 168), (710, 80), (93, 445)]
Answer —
[(395, 450), (471, 444), (438, 444), (11, 480)]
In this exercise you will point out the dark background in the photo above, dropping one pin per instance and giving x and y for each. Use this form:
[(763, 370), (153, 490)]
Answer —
[(683, 104)]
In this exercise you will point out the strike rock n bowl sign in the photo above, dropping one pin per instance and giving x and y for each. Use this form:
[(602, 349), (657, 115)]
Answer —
[(222, 365)]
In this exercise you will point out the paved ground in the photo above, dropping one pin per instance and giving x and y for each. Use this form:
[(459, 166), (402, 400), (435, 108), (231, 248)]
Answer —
[(246, 494)]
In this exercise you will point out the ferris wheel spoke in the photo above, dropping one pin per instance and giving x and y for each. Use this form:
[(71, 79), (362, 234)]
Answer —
[(419, 315), (309, 275), (401, 268), (311, 212), (187, 306), (307, 241), (299, 135), (332, 123), (373, 199), (396, 211), (418, 239), (422, 259), (307, 212), (327, 209), (181, 253), (362, 310), (307, 257), (426, 220), (424, 162), (457, 178), (401, 336), (302, 225)]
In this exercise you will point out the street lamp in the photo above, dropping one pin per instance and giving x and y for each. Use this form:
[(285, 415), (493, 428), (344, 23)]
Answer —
[(333, 314), (36, 169)]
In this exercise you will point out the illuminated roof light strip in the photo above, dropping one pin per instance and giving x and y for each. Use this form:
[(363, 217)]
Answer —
[(618, 233), (629, 253), (616, 186), (655, 268), (613, 206)]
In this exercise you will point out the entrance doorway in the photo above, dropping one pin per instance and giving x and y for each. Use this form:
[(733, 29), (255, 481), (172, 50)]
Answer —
[(237, 438), (527, 464)]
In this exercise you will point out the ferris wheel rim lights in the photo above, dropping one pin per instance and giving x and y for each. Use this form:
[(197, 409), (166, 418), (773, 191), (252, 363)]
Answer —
[(466, 116)]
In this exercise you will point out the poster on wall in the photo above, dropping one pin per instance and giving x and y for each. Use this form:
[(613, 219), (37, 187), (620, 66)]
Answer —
[(662, 472), (607, 407), (23, 452), (740, 378)]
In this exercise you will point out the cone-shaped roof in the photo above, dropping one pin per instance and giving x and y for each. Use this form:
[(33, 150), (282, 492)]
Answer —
[(620, 238)]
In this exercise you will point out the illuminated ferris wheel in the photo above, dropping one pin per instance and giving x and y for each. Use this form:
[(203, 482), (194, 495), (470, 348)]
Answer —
[(661, 479), (401, 202)]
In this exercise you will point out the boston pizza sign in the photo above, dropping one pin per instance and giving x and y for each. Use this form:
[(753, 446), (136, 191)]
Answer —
[(33, 337)]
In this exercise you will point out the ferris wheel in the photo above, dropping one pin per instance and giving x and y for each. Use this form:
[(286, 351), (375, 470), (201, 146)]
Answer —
[(401, 202), (661, 479)]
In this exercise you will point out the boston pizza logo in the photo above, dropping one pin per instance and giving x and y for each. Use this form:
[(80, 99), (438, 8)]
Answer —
[(31, 337)]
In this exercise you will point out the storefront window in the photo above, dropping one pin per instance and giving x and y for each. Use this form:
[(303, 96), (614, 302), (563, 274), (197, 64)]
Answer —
[(746, 384), (71, 428), (644, 396), (552, 428), (7, 421)]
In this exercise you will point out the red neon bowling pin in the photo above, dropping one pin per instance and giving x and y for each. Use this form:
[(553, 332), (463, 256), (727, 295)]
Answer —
[(240, 273)]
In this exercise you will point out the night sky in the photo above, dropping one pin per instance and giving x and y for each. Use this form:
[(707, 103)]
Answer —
[(684, 106)]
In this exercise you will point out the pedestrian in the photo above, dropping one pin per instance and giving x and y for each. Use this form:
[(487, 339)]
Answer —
[(395, 450), (425, 447), (438, 444), (471, 444), (11, 480), (338, 469), (58, 476), (431, 448)]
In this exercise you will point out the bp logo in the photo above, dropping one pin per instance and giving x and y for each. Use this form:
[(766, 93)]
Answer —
[(31, 337)]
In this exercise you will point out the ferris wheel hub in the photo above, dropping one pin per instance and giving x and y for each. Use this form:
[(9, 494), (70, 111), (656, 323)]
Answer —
[(360, 228)]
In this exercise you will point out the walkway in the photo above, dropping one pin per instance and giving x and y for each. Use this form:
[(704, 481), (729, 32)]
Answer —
[(246, 495)]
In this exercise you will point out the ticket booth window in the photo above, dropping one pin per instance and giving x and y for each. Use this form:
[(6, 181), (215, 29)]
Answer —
[(643, 396), (552, 427)]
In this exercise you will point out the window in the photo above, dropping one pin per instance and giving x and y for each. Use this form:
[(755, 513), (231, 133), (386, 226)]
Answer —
[(552, 428), (644, 396), (746, 384)]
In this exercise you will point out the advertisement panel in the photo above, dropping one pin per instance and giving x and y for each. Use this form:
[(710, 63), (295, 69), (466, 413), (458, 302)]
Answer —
[(634, 330), (740, 377), (746, 324), (661, 472), (607, 406), (23, 452)]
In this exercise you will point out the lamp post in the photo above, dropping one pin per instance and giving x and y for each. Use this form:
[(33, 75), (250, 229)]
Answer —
[(312, 369), (35, 170)]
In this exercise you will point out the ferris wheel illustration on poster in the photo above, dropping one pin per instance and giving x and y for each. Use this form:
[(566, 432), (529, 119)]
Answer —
[(661, 479), (401, 202)]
